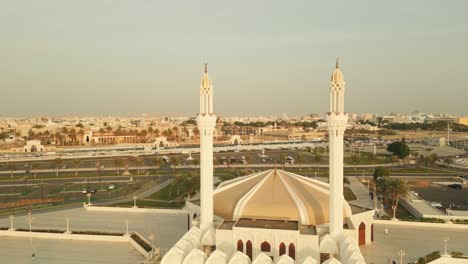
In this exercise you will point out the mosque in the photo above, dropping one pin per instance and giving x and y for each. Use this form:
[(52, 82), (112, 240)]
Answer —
[(274, 216)]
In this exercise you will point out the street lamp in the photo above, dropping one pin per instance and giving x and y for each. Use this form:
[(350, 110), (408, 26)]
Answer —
[(68, 226), (89, 198), (12, 227), (127, 233), (151, 238), (394, 207), (446, 239), (401, 254), (134, 201)]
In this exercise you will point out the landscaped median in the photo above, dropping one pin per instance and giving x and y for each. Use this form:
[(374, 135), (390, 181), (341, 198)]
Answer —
[(135, 239)]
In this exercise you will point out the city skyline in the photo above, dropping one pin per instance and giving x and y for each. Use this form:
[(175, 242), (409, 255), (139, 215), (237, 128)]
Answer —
[(142, 57)]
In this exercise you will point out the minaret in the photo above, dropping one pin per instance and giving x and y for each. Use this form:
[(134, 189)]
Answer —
[(206, 122), (337, 120)]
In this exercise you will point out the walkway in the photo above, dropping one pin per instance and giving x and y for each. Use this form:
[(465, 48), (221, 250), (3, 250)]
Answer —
[(363, 199)]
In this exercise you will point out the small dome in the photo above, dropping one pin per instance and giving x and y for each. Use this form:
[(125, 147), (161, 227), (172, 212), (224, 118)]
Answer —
[(275, 195), (205, 83), (337, 76)]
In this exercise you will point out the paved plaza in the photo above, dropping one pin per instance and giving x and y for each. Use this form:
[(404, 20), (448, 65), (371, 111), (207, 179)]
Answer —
[(167, 227), (19, 250), (415, 241)]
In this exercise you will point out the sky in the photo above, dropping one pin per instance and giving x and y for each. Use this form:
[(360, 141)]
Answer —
[(266, 57)]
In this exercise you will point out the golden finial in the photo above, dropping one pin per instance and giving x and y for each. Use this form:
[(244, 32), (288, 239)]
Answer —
[(206, 67), (337, 62)]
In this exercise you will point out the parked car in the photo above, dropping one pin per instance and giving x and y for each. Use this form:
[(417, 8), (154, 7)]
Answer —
[(111, 187), (455, 186)]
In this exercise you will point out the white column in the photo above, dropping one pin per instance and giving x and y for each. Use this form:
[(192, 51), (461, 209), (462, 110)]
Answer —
[(336, 127), (206, 125)]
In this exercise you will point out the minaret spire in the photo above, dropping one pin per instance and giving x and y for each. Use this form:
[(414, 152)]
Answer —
[(337, 63), (206, 122), (337, 119)]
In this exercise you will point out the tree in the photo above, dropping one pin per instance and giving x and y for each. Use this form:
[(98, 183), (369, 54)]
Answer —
[(399, 148), (300, 160), (138, 162), (11, 168), (34, 167), (355, 160), (397, 188), (58, 165), (317, 158), (448, 161), (176, 161), (118, 164), (380, 172), (196, 162), (76, 163)]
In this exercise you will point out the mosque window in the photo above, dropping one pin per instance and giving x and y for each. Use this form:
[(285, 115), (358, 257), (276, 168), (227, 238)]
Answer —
[(282, 249), (292, 251), (249, 249), (265, 247), (240, 246)]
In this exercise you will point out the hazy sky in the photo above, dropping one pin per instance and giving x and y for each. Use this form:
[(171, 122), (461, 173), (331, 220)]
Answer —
[(123, 57)]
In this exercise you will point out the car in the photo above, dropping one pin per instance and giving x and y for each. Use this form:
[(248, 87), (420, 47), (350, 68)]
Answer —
[(455, 186), (111, 187)]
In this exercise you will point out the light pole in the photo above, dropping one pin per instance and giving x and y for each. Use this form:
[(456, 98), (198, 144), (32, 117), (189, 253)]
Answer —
[(448, 210), (134, 201), (89, 198), (446, 239), (68, 226), (151, 238), (12, 227), (394, 207), (126, 223), (401, 254)]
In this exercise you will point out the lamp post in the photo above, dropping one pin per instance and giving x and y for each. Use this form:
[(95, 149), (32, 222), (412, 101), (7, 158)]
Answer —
[(151, 238), (12, 227), (446, 239), (448, 211), (127, 233), (134, 201), (401, 254), (394, 207), (89, 198), (68, 226)]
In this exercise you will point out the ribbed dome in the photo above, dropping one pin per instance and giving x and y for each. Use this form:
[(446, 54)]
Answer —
[(337, 76), (205, 84), (275, 195)]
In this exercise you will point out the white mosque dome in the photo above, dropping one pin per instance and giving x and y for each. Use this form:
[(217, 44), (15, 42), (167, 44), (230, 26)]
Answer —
[(275, 195)]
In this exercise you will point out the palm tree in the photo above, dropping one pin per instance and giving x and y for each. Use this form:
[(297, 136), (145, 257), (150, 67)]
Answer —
[(11, 168), (138, 162), (397, 188), (300, 160), (58, 165), (118, 163), (76, 162), (448, 161)]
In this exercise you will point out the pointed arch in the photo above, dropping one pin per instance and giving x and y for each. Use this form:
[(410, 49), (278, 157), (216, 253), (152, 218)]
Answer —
[(249, 249), (240, 246), (362, 234), (265, 246), (282, 249), (292, 251)]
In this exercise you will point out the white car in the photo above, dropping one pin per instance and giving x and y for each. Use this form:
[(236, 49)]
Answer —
[(111, 187)]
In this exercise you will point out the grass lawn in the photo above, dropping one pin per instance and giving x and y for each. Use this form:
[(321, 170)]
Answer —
[(348, 194)]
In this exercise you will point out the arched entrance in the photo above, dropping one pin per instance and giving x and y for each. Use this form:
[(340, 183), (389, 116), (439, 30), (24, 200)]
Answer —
[(240, 246), (292, 251), (265, 247), (282, 249), (249, 249), (372, 233), (362, 234), (33, 148)]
